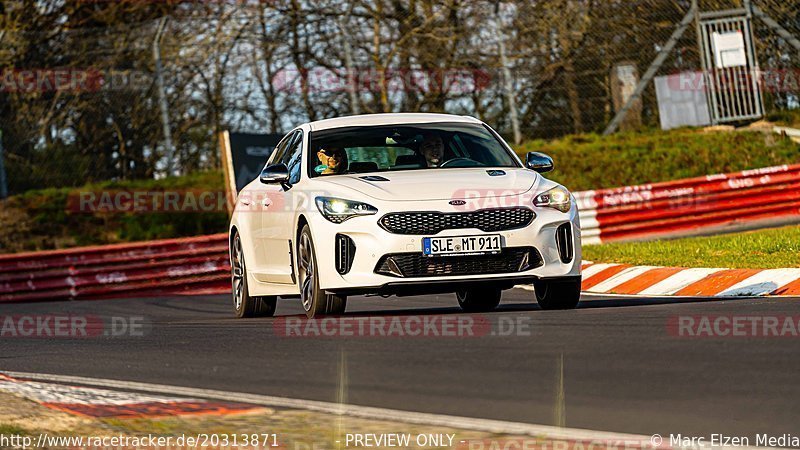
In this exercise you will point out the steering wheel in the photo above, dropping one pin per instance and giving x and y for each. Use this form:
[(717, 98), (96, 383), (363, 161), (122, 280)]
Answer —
[(460, 162)]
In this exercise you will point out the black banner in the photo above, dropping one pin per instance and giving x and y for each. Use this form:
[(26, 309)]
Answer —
[(249, 153)]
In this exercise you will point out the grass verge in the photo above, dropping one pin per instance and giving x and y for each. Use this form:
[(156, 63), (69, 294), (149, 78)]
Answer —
[(763, 249), (591, 161), (42, 219)]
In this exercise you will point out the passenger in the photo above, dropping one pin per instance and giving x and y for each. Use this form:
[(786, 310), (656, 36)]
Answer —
[(333, 160)]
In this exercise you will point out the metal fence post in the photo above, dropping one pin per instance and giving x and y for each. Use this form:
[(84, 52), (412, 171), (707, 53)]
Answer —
[(508, 82), (162, 96)]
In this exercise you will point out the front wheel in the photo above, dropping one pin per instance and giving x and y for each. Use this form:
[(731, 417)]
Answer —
[(316, 302), (243, 304), (557, 294), (479, 299)]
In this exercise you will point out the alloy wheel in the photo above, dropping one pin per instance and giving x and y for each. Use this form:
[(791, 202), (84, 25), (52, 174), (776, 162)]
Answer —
[(306, 263), (237, 274)]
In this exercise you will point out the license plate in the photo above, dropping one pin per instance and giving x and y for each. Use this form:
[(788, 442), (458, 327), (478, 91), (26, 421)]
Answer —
[(462, 245)]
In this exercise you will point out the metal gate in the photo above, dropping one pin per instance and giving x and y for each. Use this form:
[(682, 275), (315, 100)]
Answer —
[(729, 65)]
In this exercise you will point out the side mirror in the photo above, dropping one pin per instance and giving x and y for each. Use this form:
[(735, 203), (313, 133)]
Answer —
[(276, 173), (539, 162)]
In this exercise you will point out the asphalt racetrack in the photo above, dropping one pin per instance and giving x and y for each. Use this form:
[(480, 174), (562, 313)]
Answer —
[(611, 365)]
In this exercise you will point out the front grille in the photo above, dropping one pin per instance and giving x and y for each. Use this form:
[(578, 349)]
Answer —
[(408, 265), (432, 222)]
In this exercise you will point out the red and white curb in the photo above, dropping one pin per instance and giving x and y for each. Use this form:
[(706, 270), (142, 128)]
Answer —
[(95, 402), (656, 281)]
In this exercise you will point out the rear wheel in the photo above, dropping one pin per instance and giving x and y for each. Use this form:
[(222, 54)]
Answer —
[(315, 301), (557, 294), (243, 304), (479, 299)]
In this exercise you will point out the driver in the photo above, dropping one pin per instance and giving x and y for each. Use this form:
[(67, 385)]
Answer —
[(432, 148), (333, 160)]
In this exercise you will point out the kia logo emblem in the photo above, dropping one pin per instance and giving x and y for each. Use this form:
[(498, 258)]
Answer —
[(457, 202)]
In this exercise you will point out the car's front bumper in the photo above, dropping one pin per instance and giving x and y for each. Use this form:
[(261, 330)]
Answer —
[(373, 242), (429, 287)]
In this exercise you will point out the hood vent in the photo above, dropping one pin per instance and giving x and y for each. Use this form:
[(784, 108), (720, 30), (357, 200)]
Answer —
[(374, 178)]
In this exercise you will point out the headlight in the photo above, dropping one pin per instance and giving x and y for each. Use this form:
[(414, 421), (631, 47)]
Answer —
[(337, 210), (557, 198)]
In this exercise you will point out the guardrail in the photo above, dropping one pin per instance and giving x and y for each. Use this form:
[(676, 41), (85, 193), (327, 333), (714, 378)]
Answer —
[(691, 206), (200, 264), (164, 267)]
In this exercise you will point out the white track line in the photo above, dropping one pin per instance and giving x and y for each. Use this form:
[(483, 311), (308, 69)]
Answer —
[(367, 412), (59, 393)]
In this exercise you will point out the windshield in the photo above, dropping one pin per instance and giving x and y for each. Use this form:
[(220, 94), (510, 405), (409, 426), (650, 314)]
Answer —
[(405, 147)]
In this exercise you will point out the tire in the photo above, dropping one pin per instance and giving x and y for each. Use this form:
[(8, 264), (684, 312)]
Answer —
[(316, 302), (245, 305), (557, 294), (479, 299)]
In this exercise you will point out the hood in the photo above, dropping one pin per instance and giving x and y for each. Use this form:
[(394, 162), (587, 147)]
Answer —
[(443, 184)]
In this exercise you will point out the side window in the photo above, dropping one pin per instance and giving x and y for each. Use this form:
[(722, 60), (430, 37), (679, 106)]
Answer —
[(294, 157), (280, 149)]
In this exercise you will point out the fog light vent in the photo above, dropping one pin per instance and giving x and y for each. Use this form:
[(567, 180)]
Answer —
[(345, 252), (564, 242)]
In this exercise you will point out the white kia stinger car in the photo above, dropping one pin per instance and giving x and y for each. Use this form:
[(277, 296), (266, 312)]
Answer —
[(402, 204)]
